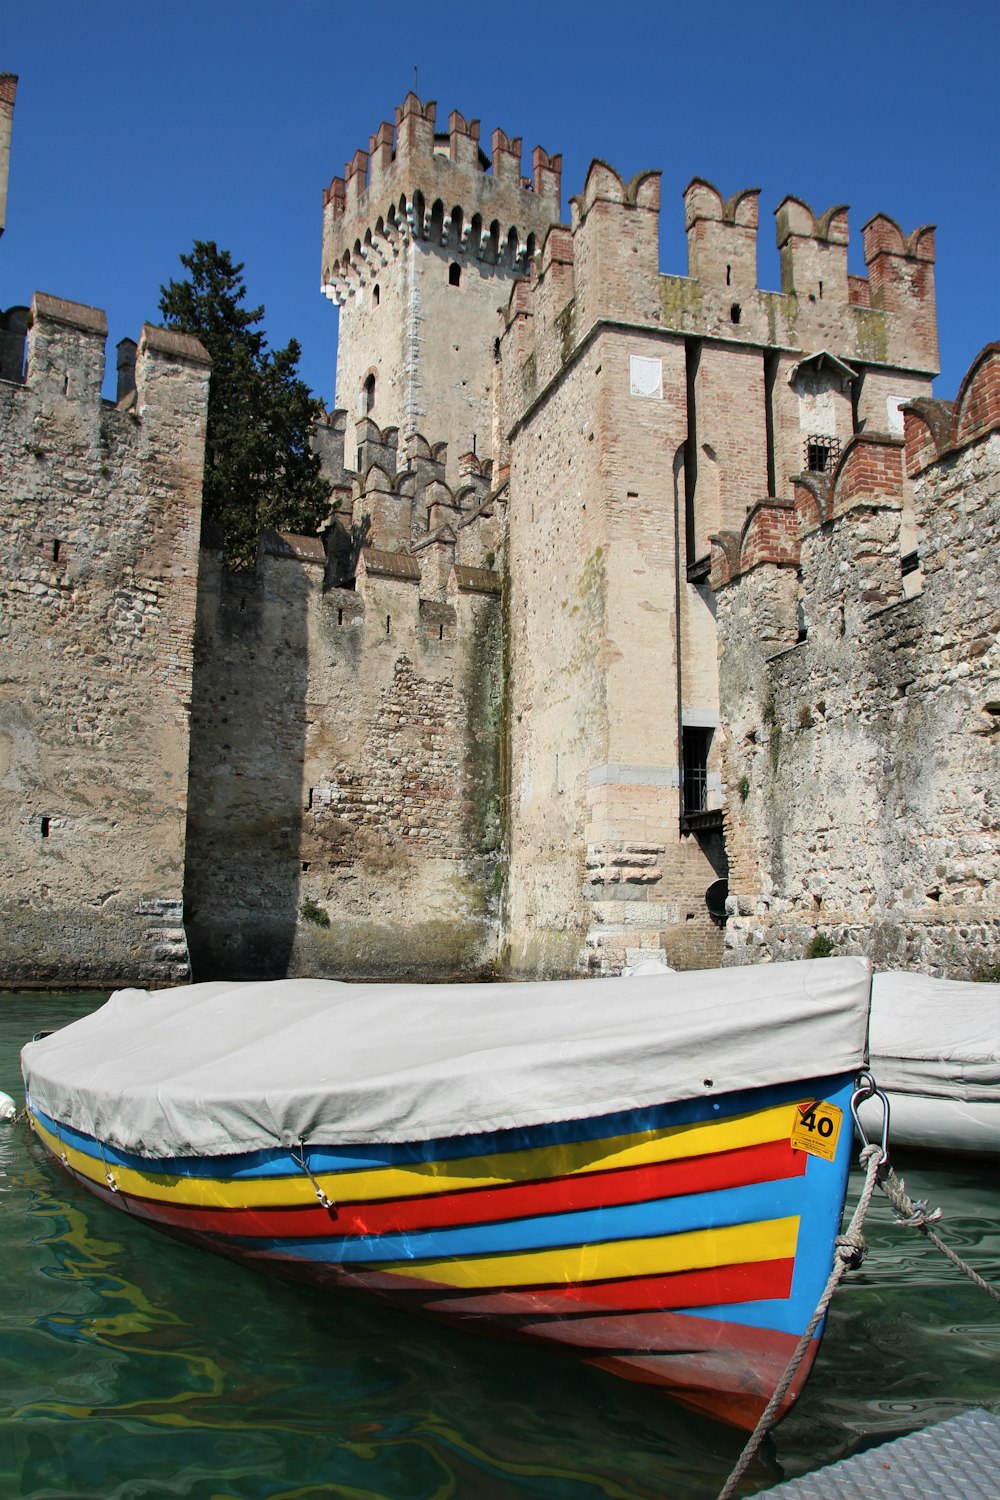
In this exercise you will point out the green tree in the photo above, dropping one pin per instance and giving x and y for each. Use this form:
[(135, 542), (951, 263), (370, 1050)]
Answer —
[(260, 471)]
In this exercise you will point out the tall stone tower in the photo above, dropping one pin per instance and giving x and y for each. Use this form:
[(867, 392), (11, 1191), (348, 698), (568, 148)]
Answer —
[(423, 237), (8, 89)]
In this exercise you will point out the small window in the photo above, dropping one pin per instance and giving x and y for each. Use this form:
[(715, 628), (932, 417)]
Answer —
[(454, 274), (43, 827), (909, 563), (376, 295), (735, 313), (822, 453), (369, 395), (55, 551), (697, 743)]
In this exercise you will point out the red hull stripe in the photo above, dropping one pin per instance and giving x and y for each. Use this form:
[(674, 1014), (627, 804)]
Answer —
[(724, 1370), (770, 1162), (717, 1286), (713, 1286)]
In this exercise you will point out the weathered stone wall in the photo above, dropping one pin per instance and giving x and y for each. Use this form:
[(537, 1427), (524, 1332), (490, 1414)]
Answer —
[(101, 506), (863, 802), (599, 870), (345, 771)]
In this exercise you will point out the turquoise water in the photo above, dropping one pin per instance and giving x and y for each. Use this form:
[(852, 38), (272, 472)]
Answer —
[(132, 1365)]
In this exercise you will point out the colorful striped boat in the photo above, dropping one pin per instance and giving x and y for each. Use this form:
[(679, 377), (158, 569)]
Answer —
[(682, 1243)]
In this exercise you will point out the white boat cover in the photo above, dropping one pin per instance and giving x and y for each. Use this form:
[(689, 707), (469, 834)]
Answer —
[(212, 1069), (939, 1037)]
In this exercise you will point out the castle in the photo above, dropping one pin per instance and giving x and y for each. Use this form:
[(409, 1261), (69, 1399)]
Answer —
[(655, 614)]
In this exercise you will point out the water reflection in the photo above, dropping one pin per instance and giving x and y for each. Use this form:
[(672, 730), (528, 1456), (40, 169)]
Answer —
[(133, 1365)]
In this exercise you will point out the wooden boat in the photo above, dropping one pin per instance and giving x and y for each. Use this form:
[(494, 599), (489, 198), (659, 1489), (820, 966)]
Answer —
[(935, 1050), (650, 1174)]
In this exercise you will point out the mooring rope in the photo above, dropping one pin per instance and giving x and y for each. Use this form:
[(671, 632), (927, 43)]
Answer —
[(850, 1252), (912, 1215)]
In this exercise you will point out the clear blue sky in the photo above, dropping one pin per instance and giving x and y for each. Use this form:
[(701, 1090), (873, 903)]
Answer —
[(140, 127)]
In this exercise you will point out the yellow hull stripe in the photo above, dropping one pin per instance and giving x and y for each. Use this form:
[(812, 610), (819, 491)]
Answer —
[(699, 1249), (423, 1178)]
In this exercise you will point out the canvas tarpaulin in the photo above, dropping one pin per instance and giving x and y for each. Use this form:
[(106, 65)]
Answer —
[(218, 1068), (936, 1037)]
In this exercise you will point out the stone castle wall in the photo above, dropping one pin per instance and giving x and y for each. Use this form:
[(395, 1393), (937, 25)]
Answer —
[(861, 760), (574, 572), (345, 773), (638, 416), (101, 506)]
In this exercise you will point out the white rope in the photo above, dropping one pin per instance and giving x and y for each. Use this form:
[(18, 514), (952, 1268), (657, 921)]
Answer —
[(850, 1252), (916, 1216)]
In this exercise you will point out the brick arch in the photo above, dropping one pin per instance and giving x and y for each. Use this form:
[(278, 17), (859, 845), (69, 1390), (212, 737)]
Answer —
[(870, 467), (978, 402)]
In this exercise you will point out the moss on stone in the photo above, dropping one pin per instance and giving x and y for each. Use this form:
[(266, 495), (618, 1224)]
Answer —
[(565, 329), (456, 948), (681, 300), (545, 955), (872, 332)]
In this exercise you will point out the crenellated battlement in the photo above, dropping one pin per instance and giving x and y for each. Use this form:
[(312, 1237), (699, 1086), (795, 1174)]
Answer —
[(606, 265), (858, 684), (935, 429), (722, 236), (870, 472), (61, 347), (414, 184)]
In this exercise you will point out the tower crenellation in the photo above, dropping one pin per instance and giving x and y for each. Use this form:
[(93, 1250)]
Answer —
[(389, 192), (813, 250), (722, 236), (422, 238)]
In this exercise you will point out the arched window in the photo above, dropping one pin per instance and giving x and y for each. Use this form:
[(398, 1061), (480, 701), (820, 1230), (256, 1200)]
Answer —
[(376, 295), (454, 274), (369, 394)]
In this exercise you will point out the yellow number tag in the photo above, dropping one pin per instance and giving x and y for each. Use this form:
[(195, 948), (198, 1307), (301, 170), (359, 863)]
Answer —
[(817, 1129)]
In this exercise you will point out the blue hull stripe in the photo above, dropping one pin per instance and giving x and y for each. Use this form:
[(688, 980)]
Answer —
[(279, 1162), (716, 1210)]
